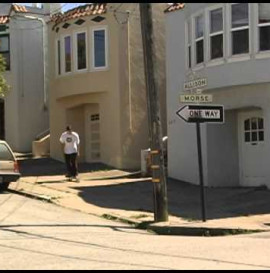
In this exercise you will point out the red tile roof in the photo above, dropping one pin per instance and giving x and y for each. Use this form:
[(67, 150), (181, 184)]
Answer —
[(4, 19), (86, 10), (174, 7), (18, 8)]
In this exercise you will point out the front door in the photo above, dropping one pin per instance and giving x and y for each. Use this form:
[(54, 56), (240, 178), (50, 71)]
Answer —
[(252, 153)]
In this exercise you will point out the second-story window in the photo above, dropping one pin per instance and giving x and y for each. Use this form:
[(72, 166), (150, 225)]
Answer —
[(216, 33), (99, 43), (67, 52), (264, 26), (199, 39), (5, 49), (240, 28), (81, 50)]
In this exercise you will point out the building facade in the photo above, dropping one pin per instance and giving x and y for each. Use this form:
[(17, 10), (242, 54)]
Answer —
[(23, 43), (97, 81), (229, 45)]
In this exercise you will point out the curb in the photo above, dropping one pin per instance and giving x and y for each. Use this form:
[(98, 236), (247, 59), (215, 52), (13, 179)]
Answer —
[(153, 227), (33, 196), (200, 231)]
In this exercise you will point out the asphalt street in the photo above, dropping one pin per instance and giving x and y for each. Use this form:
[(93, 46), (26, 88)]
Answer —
[(38, 235)]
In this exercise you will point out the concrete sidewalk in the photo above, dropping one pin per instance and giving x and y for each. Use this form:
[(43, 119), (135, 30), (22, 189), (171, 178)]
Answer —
[(125, 196)]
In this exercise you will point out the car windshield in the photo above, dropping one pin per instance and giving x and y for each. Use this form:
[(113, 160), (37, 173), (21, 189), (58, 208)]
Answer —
[(5, 153)]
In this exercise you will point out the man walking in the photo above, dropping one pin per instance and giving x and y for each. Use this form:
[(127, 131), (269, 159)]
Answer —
[(70, 141)]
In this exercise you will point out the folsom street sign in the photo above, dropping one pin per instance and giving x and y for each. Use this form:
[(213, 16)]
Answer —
[(197, 83), (202, 113), (200, 98)]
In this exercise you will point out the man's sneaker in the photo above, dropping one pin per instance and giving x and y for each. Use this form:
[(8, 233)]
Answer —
[(76, 179)]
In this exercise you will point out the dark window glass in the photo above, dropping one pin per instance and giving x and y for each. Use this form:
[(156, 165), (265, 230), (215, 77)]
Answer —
[(217, 46), (199, 26), (261, 136), (254, 136), (240, 42), (216, 20), (4, 49), (260, 122), (264, 38), (264, 13), (247, 137), (99, 46), (254, 123), (247, 124), (59, 56), (199, 52), (67, 54), (239, 15), (189, 56), (81, 50)]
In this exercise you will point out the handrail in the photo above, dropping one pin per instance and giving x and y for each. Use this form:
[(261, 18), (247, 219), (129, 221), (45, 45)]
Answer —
[(43, 134)]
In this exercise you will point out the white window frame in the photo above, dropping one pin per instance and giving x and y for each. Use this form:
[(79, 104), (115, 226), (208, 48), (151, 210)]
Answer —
[(75, 56), (195, 40), (265, 53), (209, 35), (242, 56), (57, 56), (64, 55), (92, 31)]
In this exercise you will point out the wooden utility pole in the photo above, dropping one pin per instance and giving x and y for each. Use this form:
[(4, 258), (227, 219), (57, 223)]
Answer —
[(159, 177)]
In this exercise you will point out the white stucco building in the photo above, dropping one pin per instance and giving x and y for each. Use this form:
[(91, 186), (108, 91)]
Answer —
[(229, 45), (23, 42)]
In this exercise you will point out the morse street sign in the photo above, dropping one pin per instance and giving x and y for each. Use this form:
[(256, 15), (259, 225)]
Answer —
[(202, 113), (199, 98)]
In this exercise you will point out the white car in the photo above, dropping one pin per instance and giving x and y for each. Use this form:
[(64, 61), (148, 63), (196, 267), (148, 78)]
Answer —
[(9, 169)]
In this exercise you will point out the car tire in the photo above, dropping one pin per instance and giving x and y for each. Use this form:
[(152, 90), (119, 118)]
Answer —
[(4, 187)]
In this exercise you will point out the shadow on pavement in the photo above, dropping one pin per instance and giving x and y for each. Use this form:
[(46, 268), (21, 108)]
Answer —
[(49, 166), (183, 199)]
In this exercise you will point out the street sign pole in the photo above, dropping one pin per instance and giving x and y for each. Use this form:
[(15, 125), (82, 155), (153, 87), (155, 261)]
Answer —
[(199, 146)]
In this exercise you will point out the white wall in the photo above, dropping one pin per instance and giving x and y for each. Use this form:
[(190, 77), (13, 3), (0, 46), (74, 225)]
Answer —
[(25, 116)]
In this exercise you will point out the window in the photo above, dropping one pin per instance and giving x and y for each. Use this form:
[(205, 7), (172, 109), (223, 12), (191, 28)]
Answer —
[(81, 50), (189, 44), (67, 50), (5, 49), (254, 130), (216, 33), (59, 57), (99, 43), (199, 39), (240, 28), (264, 26)]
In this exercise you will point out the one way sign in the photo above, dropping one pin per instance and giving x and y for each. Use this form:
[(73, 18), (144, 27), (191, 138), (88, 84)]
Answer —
[(202, 113)]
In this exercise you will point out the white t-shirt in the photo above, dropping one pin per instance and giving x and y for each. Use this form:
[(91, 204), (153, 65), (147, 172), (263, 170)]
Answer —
[(71, 141)]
